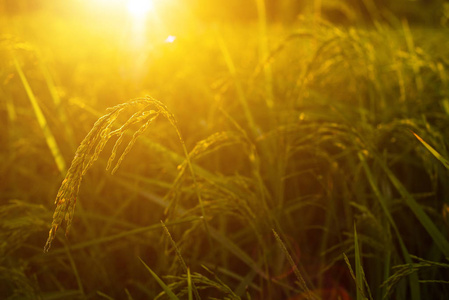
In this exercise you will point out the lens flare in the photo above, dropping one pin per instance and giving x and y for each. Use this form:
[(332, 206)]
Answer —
[(170, 39)]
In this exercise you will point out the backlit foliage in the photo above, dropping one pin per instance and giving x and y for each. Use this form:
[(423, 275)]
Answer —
[(296, 150)]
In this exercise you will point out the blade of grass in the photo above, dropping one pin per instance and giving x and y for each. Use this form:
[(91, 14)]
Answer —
[(128, 294), (123, 234), (189, 284), (237, 251), (445, 104), (178, 253), (99, 293), (435, 153), (358, 268), (301, 282), (240, 93), (423, 218), (245, 282), (248, 296), (12, 114), (217, 282), (214, 233), (351, 272), (75, 270), (167, 290), (414, 281), (49, 138), (181, 260), (57, 101)]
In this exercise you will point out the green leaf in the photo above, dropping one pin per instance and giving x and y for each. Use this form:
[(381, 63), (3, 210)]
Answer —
[(167, 290), (441, 242), (189, 284), (99, 293), (358, 267), (435, 153), (414, 281), (49, 138)]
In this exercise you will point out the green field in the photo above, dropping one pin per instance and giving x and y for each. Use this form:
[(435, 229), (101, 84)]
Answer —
[(226, 159)]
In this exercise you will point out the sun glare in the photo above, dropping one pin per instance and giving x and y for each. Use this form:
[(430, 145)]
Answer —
[(139, 8), (170, 39)]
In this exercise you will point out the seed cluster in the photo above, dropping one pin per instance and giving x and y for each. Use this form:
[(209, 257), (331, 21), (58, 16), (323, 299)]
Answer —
[(91, 147)]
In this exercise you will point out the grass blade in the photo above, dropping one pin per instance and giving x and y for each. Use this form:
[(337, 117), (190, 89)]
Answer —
[(167, 290), (240, 93), (181, 260), (414, 281), (189, 284), (441, 242), (11, 110), (123, 234), (75, 270), (49, 138), (57, 101), (435, 153), (358, 267), (301, 282), (103, 295), (236, 250)]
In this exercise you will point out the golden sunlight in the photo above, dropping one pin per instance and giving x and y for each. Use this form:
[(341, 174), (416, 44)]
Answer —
[(170, 39), (139, 8)]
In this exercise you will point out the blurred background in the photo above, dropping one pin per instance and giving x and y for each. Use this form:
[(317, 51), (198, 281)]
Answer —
[(424, 12)]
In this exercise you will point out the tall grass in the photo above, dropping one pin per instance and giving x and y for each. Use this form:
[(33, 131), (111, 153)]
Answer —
[(315, 170)]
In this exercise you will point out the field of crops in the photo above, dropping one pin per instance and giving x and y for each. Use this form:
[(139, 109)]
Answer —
[(167, 155)]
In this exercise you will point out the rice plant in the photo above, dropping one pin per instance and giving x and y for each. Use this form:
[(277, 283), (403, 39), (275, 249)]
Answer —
[(91, 147)]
